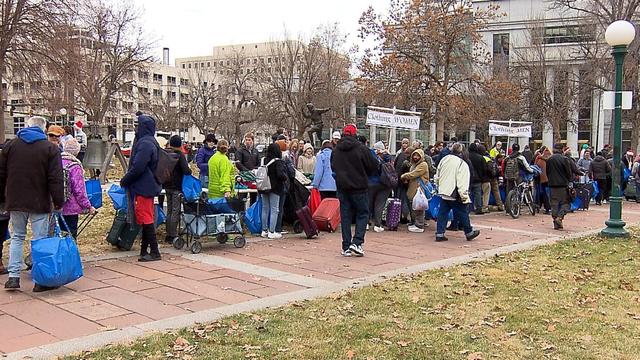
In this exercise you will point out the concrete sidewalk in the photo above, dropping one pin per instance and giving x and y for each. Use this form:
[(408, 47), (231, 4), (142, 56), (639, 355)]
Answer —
[(119, 299)]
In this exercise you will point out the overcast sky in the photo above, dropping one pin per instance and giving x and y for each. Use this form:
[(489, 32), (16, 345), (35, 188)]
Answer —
[(193, 27)]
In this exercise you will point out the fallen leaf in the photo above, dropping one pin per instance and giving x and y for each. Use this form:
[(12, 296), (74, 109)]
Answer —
[(350, 354), (403, 343), (551, 328), (474, 356)]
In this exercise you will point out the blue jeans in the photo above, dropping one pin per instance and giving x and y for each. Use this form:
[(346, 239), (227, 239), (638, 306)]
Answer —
[(204, 181), (270, 210), (39, 229), (460, 215), (476, 188), (350, 204)]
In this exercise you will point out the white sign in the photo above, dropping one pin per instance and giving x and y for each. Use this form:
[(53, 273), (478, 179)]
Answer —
[(500, 130), (393, 120), (609, 100)]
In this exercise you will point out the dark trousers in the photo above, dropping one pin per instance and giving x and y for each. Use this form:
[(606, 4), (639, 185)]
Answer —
[(353, 204), (173, 213), (560, 204), (378, 195), (604, 190), (327, 195), (283, 198), (476, 190), (460, 216), (401, 193), (149, 243), (72, 222)]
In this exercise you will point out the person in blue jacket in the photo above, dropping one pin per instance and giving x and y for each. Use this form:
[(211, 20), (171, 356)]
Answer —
[(323, 179), (141, 185), (205, 153), (378, 192)]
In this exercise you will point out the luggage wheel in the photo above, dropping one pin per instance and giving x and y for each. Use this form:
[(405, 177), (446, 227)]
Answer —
[(239, 241), (178, 243), (222, 238), (297, 227), (196, 247)]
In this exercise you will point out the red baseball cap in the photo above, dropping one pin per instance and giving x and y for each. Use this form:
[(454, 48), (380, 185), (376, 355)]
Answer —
[(350, 130)]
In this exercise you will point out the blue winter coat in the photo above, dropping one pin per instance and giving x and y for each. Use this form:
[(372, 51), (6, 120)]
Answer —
[(139, 179), (202, 159), (323, 179), (375, 177)]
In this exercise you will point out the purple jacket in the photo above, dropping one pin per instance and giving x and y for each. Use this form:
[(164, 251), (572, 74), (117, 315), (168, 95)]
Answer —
[(78, 201)]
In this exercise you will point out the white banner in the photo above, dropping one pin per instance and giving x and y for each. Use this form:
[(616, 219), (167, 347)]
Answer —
[(501, 130), (393, 120)]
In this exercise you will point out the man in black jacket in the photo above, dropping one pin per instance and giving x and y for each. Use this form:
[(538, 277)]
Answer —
[(560, 174), (247, 155), (352, 163), (174, 188), (480, 184), (31, 186)]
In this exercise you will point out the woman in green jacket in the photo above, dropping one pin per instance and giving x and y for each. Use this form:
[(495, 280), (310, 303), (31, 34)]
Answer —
[(221, 172)]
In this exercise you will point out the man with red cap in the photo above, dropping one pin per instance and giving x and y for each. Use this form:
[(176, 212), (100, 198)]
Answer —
[(352, 163), (82, 139)]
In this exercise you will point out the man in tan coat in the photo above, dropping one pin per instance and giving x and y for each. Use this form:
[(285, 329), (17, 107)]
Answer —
[(418, 175)]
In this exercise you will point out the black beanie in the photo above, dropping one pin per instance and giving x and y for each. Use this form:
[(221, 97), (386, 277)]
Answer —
[(515, 147), (175, 141)]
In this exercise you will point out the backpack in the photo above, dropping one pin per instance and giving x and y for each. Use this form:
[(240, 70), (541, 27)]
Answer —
[(66, 173), (388, 175), (492, 167), (166, 163), (263, 183), (511, 168)]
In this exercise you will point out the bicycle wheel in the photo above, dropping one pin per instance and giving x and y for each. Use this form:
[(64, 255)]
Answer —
[(512, 204), (528, 198)]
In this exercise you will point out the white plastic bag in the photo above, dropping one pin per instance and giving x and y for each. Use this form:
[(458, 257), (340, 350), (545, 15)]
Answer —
[(420, 201)]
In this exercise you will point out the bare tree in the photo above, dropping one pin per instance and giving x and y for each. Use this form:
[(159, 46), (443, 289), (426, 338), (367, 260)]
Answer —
[(24, 26), (202, 100)]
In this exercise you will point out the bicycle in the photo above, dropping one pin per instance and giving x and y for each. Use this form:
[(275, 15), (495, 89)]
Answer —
[(521, 195)]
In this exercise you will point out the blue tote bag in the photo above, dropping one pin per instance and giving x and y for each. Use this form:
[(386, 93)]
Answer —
[(56, 259), (191, 188), (94, 192), (253, 217), (118, 196)]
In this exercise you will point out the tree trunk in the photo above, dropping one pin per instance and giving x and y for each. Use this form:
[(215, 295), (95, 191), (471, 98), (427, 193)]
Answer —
[(2, 124), (439, 128)]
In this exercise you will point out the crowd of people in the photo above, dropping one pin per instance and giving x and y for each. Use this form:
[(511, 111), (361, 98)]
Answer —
[(46, 159)]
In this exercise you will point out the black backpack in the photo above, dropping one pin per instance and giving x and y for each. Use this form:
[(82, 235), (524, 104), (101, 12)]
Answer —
[(511, 168), (388, 175), (166, 163)]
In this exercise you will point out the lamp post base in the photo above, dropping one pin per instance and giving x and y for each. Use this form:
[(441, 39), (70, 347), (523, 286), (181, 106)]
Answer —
[(615, 225)]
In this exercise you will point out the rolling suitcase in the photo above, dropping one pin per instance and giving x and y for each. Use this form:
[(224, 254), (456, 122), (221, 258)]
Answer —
[(327, 215), (630, 190), (122, 234), (306, 220), (585, 196), (394, 209)]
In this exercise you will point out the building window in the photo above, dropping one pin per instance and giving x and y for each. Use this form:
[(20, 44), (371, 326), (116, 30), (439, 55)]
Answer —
[(269, 60), (189, 66), (157, 77), (143, 75), (18, 123), (172, 95), (183, 66), (184, 82), (208, 64), (4, 86), (201, 65), (18, 86), (500, 52), (17, 101), (127, 123), (157, 93), (171, 80), (184, 96), (143, 91), (113, 104), (567, 34), (127, 105)]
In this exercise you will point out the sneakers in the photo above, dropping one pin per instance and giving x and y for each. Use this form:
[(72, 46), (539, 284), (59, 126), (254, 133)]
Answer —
[(472, 235), (356, 250), (415, 229), (12, 284), (284, 232), (347, 253), (149, 257), (440, 238), (378, 229), (274, 235), (264, 234)]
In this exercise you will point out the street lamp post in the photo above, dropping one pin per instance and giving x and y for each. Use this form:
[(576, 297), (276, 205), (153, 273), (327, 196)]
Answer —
[(619, 35)]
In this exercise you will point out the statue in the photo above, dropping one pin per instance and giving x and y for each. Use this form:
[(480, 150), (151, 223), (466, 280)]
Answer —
[(311, 112)]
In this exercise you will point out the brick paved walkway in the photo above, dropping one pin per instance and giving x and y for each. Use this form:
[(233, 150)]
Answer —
[(120, 298)]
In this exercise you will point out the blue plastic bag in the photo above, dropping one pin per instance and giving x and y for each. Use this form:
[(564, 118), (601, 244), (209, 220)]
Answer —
[(160, 215), (626, 173), (191, 187), (503, 195), (253, 217), (428, 188), (596, 190), (94, 192), (56, 260), (219, 206), (575, 204), (118, 196)]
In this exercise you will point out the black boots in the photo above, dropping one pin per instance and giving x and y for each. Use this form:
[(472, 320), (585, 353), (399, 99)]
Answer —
[(12, 284), (149, 246)]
